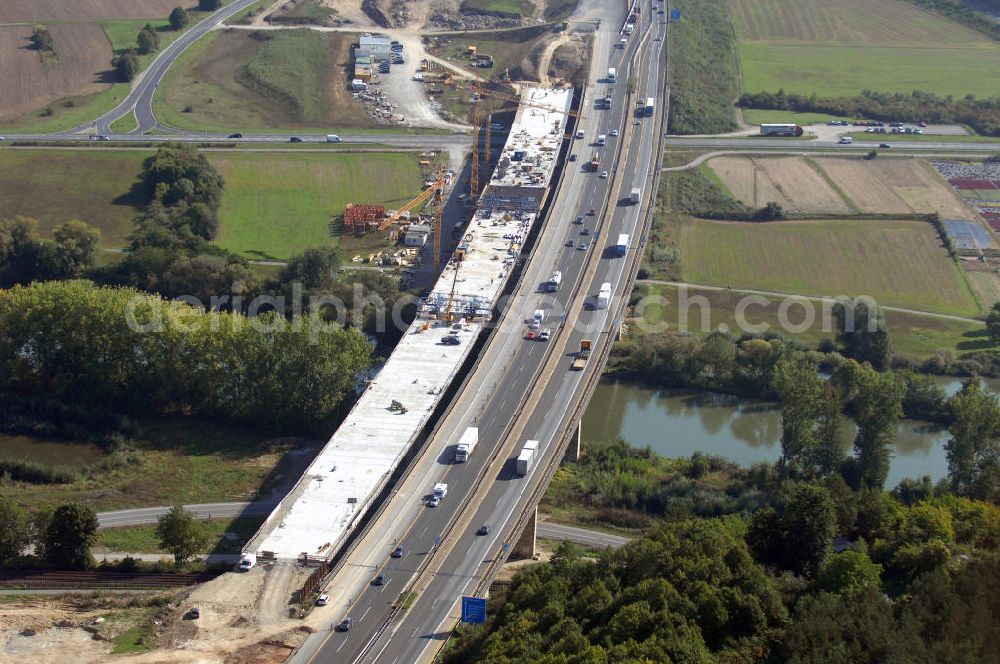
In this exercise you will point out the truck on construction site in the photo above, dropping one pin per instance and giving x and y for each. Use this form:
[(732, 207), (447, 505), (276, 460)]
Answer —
[(582, 355), (466, 444)]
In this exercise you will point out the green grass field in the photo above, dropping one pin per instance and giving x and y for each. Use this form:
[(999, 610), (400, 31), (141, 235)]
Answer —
[(841, 47), (274, 204), (277, 205), (143, 539), (899, 263), (914, 336), (238, 81), (181, 462), (54, 186), (756, 116), (513, 7)]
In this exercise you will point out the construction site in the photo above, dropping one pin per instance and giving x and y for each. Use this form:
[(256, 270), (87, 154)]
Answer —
[(330, 499)]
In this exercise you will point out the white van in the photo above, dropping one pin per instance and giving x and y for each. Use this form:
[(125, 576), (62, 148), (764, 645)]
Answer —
[(602, 139), (845, 140), (333, 138)]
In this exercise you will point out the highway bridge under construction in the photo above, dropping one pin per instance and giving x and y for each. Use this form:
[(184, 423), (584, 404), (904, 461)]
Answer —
[(337, 489)]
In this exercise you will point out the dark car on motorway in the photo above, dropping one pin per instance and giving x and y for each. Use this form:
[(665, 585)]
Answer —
[(236, 135), (295, 139), (484, 529), (884, 145), (398, 552), (380, 580), (345, 625)]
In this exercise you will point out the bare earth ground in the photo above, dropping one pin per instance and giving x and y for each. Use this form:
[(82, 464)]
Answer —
[(29, 82), (15, 11), (877, 186)]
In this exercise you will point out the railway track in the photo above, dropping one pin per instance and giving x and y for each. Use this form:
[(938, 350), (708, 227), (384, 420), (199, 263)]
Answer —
[(42, 579)]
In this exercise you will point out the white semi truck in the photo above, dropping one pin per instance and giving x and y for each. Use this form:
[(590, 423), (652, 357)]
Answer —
[(466, 444), (525, 460)]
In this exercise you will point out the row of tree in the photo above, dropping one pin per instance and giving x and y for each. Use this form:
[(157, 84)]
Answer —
[(24, 257), (983, 115), (76, 343), (65, 536), (126, 64)]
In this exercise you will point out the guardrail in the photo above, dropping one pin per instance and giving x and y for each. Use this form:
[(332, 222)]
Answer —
[(39, 579)]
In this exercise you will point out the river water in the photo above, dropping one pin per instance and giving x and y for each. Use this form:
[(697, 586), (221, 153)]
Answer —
[(677, 423)]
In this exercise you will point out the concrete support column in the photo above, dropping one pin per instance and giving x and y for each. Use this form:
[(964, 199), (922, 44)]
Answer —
[(525, 545), (573, 449)]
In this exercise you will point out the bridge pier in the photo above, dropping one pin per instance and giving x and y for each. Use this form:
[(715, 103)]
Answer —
[(525, 545), (573, 448)]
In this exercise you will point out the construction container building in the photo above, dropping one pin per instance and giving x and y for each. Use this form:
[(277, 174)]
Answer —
[(376, 47)]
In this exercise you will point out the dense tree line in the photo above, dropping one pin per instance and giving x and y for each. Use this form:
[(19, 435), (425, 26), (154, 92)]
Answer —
[(983, 115), (81, 344), (24, 257), (148, 40)]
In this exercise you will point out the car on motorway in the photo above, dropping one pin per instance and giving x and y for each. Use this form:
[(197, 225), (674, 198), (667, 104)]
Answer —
[(236, 135), (333, 138), (104, 137), (345, 625), (572, 157), (380, 580), (434, 501), (398, 552), (484, 529), (635, 122), (3, 138), (530, 336), (579, 219), (582, 246), (614, 132), (323, 600), (584, 231), (884, 145), (294, 139), (544, 335), (592, 212), (604, 175), (569, 242)]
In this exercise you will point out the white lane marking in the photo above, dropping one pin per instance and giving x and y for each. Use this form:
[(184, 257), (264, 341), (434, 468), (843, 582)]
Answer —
[(364, 614)]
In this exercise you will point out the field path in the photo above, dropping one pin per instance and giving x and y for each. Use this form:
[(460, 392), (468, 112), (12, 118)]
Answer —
[(818, 298)]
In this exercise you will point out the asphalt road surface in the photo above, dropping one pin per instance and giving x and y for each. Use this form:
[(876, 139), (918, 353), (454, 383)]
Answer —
[(409, 638)]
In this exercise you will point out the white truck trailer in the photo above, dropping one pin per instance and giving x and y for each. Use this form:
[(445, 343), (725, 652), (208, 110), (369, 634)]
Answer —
[(525, 460), (612, 74), (604, 296), (466, 444)]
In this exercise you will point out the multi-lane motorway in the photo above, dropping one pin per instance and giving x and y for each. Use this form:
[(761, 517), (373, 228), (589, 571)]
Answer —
[(502, 495)]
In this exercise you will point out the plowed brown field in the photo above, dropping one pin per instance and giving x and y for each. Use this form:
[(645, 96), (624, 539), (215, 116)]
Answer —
[(17, 11), (789, 181), (30, 83)]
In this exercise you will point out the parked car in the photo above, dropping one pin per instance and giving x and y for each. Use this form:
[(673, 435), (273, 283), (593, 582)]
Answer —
[(323, 600), (398, 552), (451, 340), (194, 613), (345, 625), (572, 157)]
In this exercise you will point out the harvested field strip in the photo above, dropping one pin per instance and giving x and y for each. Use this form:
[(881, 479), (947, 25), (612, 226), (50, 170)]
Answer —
[(792, 182), (861, 184), (861, 22), (29, 83), (901, 263), (33, 11)]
